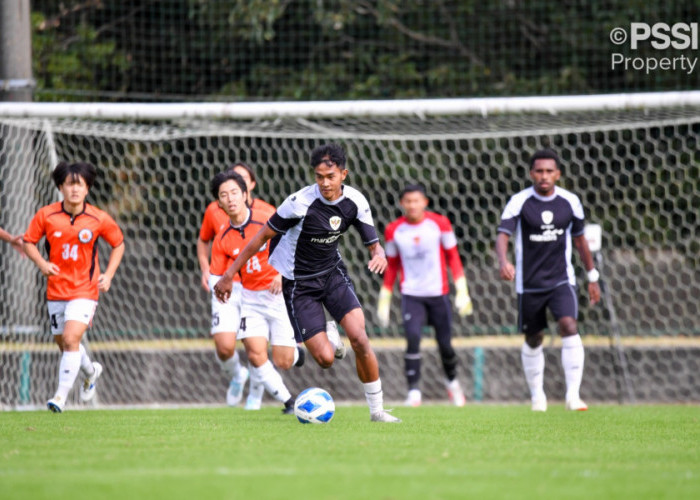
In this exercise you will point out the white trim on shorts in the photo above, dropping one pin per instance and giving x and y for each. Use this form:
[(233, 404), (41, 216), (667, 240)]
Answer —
[(265, 315), (60, 311), (225, 317)]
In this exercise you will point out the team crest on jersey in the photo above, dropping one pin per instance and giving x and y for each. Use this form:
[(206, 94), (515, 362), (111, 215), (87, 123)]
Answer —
[(547, 217), (57, 234), (85, 236), (335, 222)]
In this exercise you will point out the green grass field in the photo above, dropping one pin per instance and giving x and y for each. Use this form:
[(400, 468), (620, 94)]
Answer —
[(480, 451)]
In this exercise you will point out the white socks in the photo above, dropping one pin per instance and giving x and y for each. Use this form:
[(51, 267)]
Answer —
[(86, 363), (231, 366), (375, 396), (533, 366), (272, 380), (67, 373), (572, 361)]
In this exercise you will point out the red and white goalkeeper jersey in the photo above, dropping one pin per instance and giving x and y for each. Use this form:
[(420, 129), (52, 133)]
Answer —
[(420, 252)]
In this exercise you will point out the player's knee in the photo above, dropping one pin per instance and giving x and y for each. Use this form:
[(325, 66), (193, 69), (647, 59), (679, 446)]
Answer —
[(359, 343), (567, 326), (324, 360), (535, 340), (225, 352), (282, 360)]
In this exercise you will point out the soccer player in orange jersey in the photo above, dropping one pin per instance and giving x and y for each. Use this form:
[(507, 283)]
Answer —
[(71, 228), (226, 317), (263, 312)]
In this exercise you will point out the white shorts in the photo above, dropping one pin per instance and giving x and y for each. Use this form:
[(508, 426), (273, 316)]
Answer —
[(264, 314), (60, 311), (225, 317)]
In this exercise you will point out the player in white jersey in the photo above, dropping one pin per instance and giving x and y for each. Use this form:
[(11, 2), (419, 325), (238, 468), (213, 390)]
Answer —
[(304, 249), (420, 245), (544, 220)]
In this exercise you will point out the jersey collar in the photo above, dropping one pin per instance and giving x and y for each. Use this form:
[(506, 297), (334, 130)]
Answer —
[(545, 198), (72, 216), (245, 222)]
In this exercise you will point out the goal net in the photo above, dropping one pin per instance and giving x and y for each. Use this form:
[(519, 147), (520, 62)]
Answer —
[(636, 170)]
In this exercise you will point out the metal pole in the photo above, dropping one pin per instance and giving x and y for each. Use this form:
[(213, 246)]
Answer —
[(619, 357), (16, 81)]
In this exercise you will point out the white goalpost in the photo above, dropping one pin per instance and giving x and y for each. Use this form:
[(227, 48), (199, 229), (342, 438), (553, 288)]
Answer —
[(634, 159)]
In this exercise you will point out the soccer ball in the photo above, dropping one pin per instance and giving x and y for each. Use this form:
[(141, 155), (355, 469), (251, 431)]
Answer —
[(314, 406)]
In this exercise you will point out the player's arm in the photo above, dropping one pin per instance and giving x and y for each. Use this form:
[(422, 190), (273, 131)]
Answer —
[(584, 252), (15, 241), (104, 282), (506, 269), (463, 301), (385, 292), (47, 268), (223, 287), (377, 262), (203, 249)]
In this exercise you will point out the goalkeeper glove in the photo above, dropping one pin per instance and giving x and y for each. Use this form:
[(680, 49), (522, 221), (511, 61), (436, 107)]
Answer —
[(463, 302), (383, 306)]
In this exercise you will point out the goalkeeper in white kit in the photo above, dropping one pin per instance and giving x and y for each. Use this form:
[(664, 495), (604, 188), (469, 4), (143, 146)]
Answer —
[(420, 245)]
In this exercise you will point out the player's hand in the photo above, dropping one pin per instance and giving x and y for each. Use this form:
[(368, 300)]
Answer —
[(463, 302), (507, 271), (594, 292), (205, 281), (49, 269), (223, 288), (17, 244), (104, 282), (377, 264), (276, 285), (384, 306)]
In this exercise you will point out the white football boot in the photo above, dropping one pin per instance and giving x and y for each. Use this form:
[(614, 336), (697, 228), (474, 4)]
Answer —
[(335, 340), (87, 390), (576, 404), (384, 416), (539, 404), (56, 404), (414, 398), (455, 392), (256, 391), (234, 394)]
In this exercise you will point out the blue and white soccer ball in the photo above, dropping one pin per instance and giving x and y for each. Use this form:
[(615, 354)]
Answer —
[(314, 406)]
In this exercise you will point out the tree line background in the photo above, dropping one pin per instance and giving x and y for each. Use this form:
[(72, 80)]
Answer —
[(157, 50)]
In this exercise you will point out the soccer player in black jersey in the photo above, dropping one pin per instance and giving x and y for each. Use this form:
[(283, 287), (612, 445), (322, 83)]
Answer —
[(304, 249), (544, 220)]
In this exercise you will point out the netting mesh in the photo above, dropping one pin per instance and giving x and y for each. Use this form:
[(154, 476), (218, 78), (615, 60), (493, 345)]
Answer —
[(346, 49), (637, 173)]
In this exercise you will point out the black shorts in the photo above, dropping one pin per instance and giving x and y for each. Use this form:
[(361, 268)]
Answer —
[(305, 299), (532, 307)]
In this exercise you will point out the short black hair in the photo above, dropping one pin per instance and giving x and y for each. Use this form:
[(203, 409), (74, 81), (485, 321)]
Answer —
[(245, 167), (545, 154), (81, 169), (412, 188), (334, 153), (228, 175)]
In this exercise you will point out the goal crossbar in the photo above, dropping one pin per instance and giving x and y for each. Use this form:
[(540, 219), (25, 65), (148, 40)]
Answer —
[(356, 108)]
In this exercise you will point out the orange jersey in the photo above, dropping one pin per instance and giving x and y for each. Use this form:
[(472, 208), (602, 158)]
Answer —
[(257, 274), (215, 219), (71, 242)]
